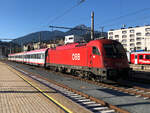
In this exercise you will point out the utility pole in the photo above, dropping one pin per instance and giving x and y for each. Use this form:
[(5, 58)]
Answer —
[(102, 29), (21, 47), (92, 25), (10, 48)]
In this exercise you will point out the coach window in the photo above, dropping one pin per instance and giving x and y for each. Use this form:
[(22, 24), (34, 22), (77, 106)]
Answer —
[(95, 51), (33, 56), (140, 56), (147, 56), (39, 56), (36, 56)]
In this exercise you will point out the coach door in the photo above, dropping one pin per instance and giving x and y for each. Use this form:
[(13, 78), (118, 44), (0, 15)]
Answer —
[(136, 60), (90, 61), (93, 57)]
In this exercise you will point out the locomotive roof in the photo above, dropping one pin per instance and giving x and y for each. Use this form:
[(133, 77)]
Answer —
[(67, 46), (104, 41), (73, 45)]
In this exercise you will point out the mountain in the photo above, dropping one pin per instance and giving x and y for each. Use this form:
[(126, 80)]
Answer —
[(34, 37), (80, 30)]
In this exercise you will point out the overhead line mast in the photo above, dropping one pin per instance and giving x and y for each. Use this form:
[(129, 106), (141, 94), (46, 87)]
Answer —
[(68, 28), (92, 25)]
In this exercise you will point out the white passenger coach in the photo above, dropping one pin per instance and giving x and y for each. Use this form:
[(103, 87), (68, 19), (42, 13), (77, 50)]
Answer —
[(34, 57)]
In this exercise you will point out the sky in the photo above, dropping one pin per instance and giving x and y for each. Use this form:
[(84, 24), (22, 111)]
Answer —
[(22, 17)]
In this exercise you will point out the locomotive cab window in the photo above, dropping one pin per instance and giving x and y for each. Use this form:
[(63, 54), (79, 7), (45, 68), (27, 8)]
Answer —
[(95, 51), (114, 50)]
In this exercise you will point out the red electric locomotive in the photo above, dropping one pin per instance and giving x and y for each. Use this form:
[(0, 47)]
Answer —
[(99, 59)]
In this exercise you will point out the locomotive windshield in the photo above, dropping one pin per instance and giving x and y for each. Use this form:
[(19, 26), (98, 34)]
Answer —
[(114, 50)]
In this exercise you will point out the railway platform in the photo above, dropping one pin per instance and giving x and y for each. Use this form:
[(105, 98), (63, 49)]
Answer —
[(141, 71), (21, 94)]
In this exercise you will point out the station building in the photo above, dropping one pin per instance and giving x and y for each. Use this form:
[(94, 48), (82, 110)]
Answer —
[(132, 38)]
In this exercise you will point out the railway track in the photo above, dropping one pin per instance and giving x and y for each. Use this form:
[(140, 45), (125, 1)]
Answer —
[(120, 87), (89, 102)]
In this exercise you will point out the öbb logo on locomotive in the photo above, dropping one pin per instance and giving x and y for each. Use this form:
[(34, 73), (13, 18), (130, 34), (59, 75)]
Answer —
[(76, 56)]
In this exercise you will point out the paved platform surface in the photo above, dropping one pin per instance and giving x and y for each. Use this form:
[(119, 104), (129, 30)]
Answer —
[(18, 96)]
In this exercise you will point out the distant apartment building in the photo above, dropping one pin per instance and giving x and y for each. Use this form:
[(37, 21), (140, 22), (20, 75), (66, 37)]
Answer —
[(133, 37), (3, 51), (41, 45)]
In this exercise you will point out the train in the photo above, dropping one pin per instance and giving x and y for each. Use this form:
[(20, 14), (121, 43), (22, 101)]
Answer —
[(142, 57), (100, 59)]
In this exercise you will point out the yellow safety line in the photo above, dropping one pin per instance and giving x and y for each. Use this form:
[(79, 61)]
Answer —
[(55, 101)]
